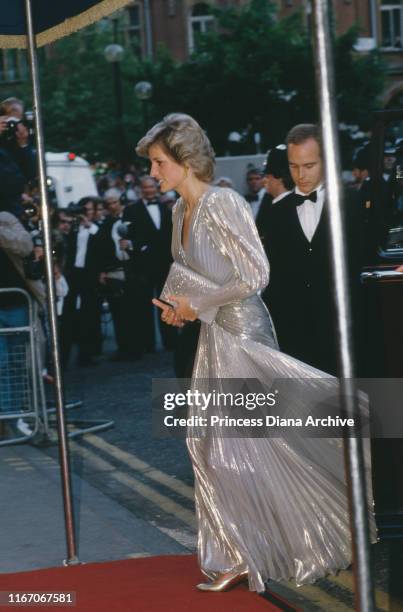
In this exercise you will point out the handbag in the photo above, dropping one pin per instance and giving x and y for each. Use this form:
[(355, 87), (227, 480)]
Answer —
[(184, 281)]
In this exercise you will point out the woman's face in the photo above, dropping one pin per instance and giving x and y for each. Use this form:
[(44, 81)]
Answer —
[(166, 171)]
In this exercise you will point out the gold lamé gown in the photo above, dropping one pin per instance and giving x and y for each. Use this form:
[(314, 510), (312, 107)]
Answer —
[(275, 506)]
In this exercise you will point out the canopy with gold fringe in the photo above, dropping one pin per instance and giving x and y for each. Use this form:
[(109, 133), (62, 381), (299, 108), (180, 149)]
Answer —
[(52, 20)]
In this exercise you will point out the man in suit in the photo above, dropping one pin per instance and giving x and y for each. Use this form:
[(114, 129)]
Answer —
[(375, 213), (148, 244), (300, 292), (278, 184), (111, 262), (81, 319), (256, 191)]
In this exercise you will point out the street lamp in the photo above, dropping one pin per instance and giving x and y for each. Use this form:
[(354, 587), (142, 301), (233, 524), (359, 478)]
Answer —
[(114, 54), (143, 91)]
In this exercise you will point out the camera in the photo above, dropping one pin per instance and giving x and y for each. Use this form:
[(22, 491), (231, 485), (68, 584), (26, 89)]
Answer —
[(31, 209), (123, 229), (9, 134), (75, 210)]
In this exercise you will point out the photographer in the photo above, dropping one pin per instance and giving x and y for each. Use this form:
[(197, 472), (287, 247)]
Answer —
[(112, 276), (15, 247), (15, 137)]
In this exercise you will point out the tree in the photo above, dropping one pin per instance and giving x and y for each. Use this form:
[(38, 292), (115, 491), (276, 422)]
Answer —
[(254, 73)]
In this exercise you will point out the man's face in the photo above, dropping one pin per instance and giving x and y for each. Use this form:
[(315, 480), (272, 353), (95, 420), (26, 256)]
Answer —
[(114, 207), (388, 162), (270, 183), (359, 175), (255, 182), (65, 223), (306, 165), (149, 189), (89, 211)]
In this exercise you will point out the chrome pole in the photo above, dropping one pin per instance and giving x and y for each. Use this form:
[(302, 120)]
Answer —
[(61, 422), (364, 596), (148, 29)]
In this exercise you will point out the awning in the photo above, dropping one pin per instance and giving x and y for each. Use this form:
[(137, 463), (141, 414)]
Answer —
[(52, 20)]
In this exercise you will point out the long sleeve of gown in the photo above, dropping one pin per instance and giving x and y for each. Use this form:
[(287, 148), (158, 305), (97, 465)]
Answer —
[(233, 231)]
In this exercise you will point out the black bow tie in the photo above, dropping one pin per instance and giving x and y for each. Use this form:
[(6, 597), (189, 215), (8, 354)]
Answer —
[(253, 198), (152, 202), (300, 199)]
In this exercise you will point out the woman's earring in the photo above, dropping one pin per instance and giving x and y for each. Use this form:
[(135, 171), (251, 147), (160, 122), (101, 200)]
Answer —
[(186, 172)]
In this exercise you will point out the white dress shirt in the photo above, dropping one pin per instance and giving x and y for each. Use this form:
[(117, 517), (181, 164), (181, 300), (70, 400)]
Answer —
[(309, 212), (154, 212), (82, 243)]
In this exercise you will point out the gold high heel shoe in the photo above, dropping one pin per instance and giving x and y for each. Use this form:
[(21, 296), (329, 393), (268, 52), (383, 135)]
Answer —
[(224, 582)]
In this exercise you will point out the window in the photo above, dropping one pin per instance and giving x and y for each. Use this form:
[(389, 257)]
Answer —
[(132, 28), (200, 22), (392, 24), (13, 65)]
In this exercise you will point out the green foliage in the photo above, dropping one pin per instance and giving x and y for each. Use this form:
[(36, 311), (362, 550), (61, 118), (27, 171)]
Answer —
[(253, 73)]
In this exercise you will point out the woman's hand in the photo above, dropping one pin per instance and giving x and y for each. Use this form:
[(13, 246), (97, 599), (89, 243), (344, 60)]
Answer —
[(183, 308), (169, 314)]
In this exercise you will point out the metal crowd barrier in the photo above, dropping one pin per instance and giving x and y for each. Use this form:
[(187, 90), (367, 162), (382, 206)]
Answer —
[(23, 403), (22, 394)]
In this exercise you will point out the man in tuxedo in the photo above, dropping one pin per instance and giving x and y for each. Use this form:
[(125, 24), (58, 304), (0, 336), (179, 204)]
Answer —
[(81, 319), (111, 261), (300, 292), (256, 191), (278, 184), (148, 245)]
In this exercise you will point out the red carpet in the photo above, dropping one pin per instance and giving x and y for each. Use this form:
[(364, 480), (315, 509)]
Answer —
[(148, 584)]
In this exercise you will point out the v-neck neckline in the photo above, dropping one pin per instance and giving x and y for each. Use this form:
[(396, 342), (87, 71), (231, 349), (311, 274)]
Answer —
[(191, 221)]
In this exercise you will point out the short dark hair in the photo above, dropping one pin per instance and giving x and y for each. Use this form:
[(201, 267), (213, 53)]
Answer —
[(277, 165), (302, 132)]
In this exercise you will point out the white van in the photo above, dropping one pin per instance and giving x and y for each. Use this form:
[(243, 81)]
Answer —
[(71, 176)]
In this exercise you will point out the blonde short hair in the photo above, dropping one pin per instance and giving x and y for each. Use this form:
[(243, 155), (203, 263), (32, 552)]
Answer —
[(183, 139)]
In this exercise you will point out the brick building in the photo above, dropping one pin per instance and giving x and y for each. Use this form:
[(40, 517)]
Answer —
[(146, 23), (175, 22)]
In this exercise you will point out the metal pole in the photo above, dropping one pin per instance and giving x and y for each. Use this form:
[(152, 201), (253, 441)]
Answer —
[(148, 29), (364, 596), (374, 20), (117, 81), (61, 423)]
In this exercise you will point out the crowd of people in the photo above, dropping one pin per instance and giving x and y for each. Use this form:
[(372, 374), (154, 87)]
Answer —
[(115, 251)]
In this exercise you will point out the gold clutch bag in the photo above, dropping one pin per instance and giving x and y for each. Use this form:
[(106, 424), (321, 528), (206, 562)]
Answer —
[(184, 281)]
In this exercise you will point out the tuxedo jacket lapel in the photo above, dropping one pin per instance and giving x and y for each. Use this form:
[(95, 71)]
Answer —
[(147, 218)]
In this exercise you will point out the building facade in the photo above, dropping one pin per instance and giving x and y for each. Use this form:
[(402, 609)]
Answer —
[(175, 24), (145, 24)]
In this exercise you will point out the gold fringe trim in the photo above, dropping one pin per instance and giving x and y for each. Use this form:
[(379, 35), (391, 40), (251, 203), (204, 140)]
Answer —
[(93, 14)]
